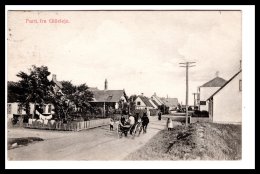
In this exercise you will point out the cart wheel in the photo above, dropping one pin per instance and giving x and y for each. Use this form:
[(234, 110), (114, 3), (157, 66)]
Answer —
[(138, 129)]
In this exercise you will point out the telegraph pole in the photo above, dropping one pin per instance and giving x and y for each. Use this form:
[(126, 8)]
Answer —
[(187, 65)]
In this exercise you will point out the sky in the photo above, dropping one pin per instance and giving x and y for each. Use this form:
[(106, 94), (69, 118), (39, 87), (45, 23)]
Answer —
[(138, 51)]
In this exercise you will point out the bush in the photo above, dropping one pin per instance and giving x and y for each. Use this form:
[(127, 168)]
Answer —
[(198, 113)]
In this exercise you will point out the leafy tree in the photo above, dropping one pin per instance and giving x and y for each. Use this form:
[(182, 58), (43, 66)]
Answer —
[(75, 99), (12, 88), (33, 87), (132, 99)]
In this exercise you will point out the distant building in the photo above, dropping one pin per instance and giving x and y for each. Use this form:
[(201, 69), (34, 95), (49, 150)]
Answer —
[(172, 103), (142, 102), (225, 104), (157, 99), (207, 89), (58, 85), (108, 98)]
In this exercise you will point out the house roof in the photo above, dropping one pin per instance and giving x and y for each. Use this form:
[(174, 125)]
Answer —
[(225, 84), (170, 101), (155, 96), (93, 88), (57, 83), (155, 103), (216, 82), (146, 101), (107, 95)]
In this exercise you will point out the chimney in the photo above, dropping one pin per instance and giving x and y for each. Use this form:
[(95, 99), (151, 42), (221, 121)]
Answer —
[(167, 96), (54, 77), (217, 73), (105, 84), (240, 65), (154, 94), (142, 94)]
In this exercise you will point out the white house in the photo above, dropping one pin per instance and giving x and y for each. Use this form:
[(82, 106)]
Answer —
[(142, 102), (15, 109), (225, 105), (207, 89), (156, 100)]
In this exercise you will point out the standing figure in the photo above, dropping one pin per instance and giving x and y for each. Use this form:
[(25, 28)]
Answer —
[(145, 121), (169, 124), (111, 124), (159, 115)]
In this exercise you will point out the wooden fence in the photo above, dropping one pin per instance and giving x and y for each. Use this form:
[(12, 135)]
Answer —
[(71, 126)]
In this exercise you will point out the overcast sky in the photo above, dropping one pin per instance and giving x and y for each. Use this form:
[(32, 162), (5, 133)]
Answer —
[(138, 51)]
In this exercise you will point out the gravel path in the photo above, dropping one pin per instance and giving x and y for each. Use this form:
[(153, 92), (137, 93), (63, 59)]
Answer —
[(93, 144)]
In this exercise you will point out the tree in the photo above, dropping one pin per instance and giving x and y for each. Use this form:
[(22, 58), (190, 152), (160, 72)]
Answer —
[(33, 87), (132, 99), (75, 99), (12, 88)]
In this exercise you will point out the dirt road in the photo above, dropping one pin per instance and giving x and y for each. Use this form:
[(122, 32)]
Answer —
[(94, 144)]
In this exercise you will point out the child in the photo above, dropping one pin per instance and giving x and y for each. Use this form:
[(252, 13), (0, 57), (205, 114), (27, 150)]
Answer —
[(169, 124), (111, 124)]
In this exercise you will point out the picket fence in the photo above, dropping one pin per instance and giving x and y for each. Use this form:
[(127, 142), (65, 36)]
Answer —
[(71, 126)]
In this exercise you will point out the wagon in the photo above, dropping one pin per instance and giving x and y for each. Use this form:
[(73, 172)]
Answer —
[(125, 129)]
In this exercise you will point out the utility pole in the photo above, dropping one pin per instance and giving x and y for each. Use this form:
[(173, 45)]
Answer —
[(187, 65)]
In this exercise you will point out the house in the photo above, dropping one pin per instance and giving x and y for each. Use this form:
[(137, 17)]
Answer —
[(142, 102), (155, 105), (207, 89), (172, 103), (225, 104), (13, 107), (108, 98), (57, 84), (157, 100)]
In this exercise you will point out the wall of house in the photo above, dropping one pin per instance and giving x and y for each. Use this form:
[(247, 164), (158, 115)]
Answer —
[(142, 104), (205, 93), (12, 108), (227, 103)]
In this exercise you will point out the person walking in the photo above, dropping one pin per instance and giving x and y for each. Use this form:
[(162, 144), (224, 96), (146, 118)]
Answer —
[(145, 122)]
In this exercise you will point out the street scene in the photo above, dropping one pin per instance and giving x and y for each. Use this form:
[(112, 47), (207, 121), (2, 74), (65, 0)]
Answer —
[(124, 85)]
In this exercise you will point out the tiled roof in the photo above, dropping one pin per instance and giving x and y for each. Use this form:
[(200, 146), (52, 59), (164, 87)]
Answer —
[(57, 83), (155, 103), (146, 101), (170, 101), (107, 95), (216, 82)]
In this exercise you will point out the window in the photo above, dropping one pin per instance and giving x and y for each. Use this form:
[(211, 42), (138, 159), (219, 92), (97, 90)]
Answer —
[(49, 109), (240, 85), (202, 102), (138, 103)]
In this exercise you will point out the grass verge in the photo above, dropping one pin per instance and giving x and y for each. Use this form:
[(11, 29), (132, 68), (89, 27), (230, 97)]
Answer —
[(199, 141)]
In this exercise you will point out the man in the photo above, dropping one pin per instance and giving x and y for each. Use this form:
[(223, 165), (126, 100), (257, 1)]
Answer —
[(145, 121), (131, 122)]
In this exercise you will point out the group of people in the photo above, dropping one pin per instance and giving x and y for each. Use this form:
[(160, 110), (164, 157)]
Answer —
[(130, 122)]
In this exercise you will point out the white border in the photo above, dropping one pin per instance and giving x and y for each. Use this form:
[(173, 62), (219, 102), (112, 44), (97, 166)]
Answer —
[(248, 131)]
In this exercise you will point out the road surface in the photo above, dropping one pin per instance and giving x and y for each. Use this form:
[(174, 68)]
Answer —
[(93, 144)]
